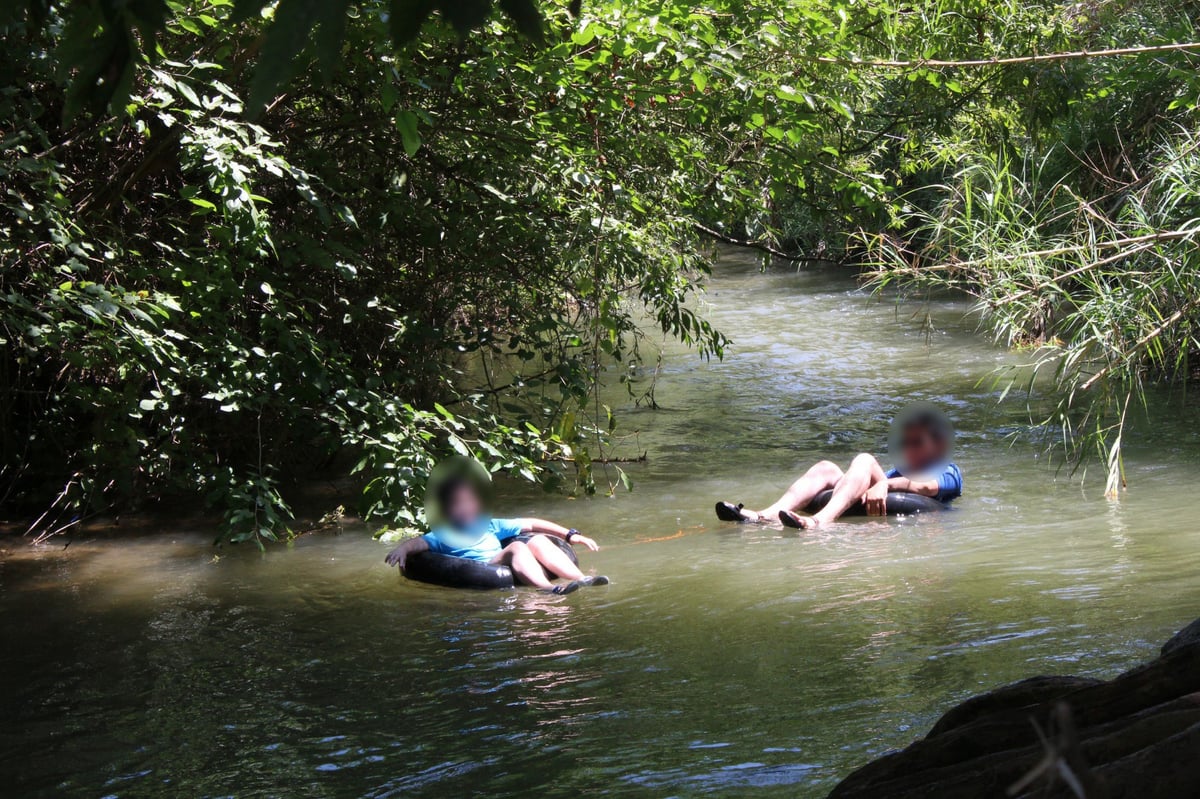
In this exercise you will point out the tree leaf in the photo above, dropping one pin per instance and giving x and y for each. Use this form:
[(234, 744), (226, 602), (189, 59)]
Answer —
[(525, 15), (406, 123), (245, 9), (293, 27), (330, 32), (405, 18), (188, 93), (465, 15)]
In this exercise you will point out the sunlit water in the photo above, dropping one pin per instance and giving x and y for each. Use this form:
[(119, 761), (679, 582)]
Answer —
[(723, 660)]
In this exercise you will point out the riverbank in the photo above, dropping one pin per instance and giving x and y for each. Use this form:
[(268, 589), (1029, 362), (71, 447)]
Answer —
[(321, 504)]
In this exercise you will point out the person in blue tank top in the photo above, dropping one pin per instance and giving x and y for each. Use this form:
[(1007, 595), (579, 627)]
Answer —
[(924, 438), (466, 531)]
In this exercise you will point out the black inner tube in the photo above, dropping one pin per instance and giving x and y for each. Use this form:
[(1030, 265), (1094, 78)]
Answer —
[(899, 503), (430, 567)]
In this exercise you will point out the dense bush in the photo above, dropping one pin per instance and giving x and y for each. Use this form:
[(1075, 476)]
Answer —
[(421, 254)]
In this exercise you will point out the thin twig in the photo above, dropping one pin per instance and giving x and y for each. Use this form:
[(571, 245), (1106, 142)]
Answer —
[(1143, 341), (1078, 271), (643, 458), (761, 246), (48, 534), (62, 494), (1168, 235), (991, 62)]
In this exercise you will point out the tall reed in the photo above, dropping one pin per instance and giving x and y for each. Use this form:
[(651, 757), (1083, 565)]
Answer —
[(1104, 291)]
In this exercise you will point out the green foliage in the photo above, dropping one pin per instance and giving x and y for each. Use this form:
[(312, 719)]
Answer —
[(1077, 230), (444, 248), (105, 42), (439, 253), (254, 508)]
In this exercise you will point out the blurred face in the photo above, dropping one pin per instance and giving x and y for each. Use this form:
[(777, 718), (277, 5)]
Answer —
[(463, 506), (923, 446)]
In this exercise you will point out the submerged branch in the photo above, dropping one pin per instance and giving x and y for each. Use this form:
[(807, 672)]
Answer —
[(643, 458)]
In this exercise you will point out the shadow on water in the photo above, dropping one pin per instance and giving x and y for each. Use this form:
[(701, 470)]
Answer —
[(723, 659)]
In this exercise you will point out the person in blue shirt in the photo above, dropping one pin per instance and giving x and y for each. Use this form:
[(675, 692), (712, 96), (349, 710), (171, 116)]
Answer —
[(468, 532), (924, 444)]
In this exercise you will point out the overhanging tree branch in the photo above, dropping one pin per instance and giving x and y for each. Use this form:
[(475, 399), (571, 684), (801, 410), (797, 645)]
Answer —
[(761, 246), (933, 63)]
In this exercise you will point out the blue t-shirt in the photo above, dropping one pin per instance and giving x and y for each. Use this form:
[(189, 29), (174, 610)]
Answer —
[(949, 482), (480, 541)]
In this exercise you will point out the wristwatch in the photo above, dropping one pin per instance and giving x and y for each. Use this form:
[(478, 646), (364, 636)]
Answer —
[(570, 533)]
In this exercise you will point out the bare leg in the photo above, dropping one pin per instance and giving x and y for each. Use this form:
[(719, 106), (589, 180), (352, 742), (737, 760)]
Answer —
[(821, 476), (554, 559), (520, 558), (863, 473)]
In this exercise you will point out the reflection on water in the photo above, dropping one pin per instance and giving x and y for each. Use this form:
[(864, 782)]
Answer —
[(723, 659)]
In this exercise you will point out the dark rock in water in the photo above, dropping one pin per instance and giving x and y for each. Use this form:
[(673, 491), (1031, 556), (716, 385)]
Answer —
[(1010, 698), (1136, 736), (1188, 635)]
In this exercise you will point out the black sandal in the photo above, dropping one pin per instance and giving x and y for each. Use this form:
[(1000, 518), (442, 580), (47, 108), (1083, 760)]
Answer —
[(728, 512), (793, 520)]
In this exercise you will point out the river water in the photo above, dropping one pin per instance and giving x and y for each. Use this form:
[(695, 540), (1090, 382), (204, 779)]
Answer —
[(723, 660)]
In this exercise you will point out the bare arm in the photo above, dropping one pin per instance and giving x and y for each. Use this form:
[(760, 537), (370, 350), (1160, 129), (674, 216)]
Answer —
[(542, 526), (875, 499), (557, 530), (929, 488), (412, 546)]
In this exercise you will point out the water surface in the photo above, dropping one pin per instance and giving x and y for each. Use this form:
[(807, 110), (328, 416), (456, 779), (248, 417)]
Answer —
[(723, 660)]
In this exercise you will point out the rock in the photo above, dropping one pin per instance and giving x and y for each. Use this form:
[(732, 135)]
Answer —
[(1188, 635), (1137, 735), (1025, 693)]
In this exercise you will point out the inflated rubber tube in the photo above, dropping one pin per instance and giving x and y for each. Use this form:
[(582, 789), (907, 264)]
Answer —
[(899, 503), (429, 567)]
